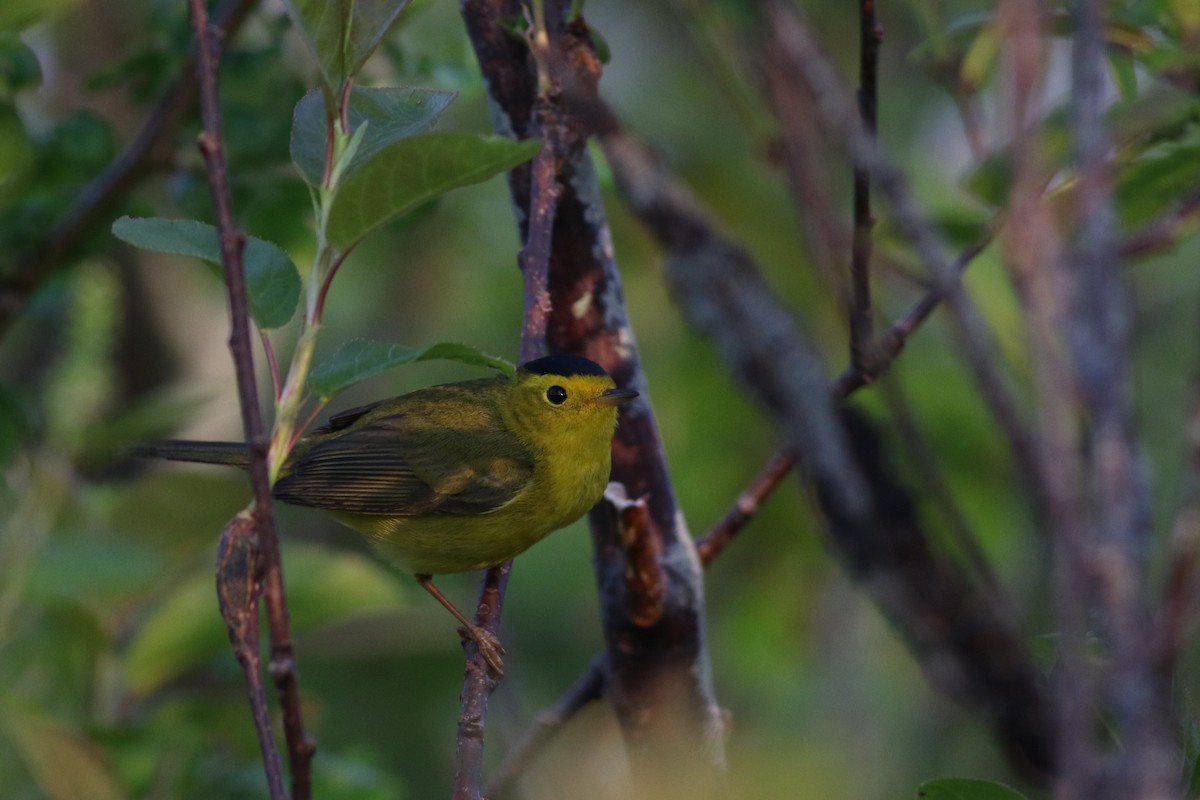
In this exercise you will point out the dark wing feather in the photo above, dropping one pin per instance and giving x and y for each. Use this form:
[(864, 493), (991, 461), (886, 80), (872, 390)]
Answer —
[(392, 467), (344, 419)]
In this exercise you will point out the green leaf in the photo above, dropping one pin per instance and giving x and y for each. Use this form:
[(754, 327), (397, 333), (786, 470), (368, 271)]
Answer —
[(343, 35), (19, 67), (1133, 126), (1159, 178), (413, 171), (185, 630), (363, 358), (272, 282), (394, 113), (966, 789), (16, 154), (63, 762)]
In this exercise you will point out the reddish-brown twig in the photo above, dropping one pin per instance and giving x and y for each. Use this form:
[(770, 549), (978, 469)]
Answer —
[(861, 314), (534, 261), (478, 683), (266, 544), (744, 509)]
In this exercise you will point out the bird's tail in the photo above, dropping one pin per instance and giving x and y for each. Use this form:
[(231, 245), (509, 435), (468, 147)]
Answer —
[(231, 454)]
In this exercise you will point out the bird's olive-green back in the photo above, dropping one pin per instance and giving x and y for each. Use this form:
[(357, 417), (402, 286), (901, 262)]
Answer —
[(461, 476), (442, 449)]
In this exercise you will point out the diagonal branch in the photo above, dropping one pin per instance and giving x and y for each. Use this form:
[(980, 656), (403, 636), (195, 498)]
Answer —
[(956, 631), (95, 200)]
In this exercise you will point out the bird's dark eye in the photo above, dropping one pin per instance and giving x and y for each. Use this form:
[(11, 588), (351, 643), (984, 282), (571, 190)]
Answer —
[(556, 395)]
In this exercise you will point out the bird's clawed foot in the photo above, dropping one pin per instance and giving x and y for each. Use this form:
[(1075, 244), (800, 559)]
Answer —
[(489, 646)]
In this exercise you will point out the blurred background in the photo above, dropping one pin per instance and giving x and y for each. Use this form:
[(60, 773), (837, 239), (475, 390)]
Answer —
[(116, 678)]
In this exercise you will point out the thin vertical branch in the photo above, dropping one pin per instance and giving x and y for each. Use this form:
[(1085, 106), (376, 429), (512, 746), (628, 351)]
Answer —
[(478, 684), (861, 315), (239, 585), (266, 544), (1099, 327), (534, 261), (788, 36), (659, 678), (888, 345)]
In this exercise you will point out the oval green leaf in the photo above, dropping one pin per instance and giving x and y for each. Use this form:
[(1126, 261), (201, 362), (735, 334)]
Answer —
[(394, 113), (360, 359), (272, 282), (966, 789), (413, 171), (1159, 178), (343, 35)]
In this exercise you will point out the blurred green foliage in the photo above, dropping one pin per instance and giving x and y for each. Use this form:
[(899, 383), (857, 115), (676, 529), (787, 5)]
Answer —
[(115, 675)]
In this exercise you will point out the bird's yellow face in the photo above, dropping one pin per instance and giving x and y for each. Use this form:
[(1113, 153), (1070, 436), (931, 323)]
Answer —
[(566, 408), (567, 411)]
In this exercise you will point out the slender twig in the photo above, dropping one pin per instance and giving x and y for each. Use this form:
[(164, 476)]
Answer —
[(478, 684), (232, 241), (681, 727), (95, 201), (239, 585), (339, 259), (790, 37), (534, 261), (744, 509), (861, 315), (548, 722), (890, 343), (590, 686), (272, 362)]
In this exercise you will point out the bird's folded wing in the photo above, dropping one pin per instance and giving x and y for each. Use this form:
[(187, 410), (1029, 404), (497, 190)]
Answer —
[(394, 466)]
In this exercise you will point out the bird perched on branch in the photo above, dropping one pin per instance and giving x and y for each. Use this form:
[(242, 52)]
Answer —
[(455, 477)]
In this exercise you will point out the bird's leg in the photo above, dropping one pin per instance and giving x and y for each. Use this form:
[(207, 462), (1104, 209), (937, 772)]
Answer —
[(489, 645)]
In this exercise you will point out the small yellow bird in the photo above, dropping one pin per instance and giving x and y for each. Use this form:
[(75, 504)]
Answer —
[(455, 477)]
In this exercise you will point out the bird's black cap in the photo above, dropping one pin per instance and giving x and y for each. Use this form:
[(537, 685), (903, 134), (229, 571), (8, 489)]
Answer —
[(563, 365)]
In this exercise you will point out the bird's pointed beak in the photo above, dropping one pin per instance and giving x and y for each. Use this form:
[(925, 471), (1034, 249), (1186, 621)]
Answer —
[(616, 397)]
